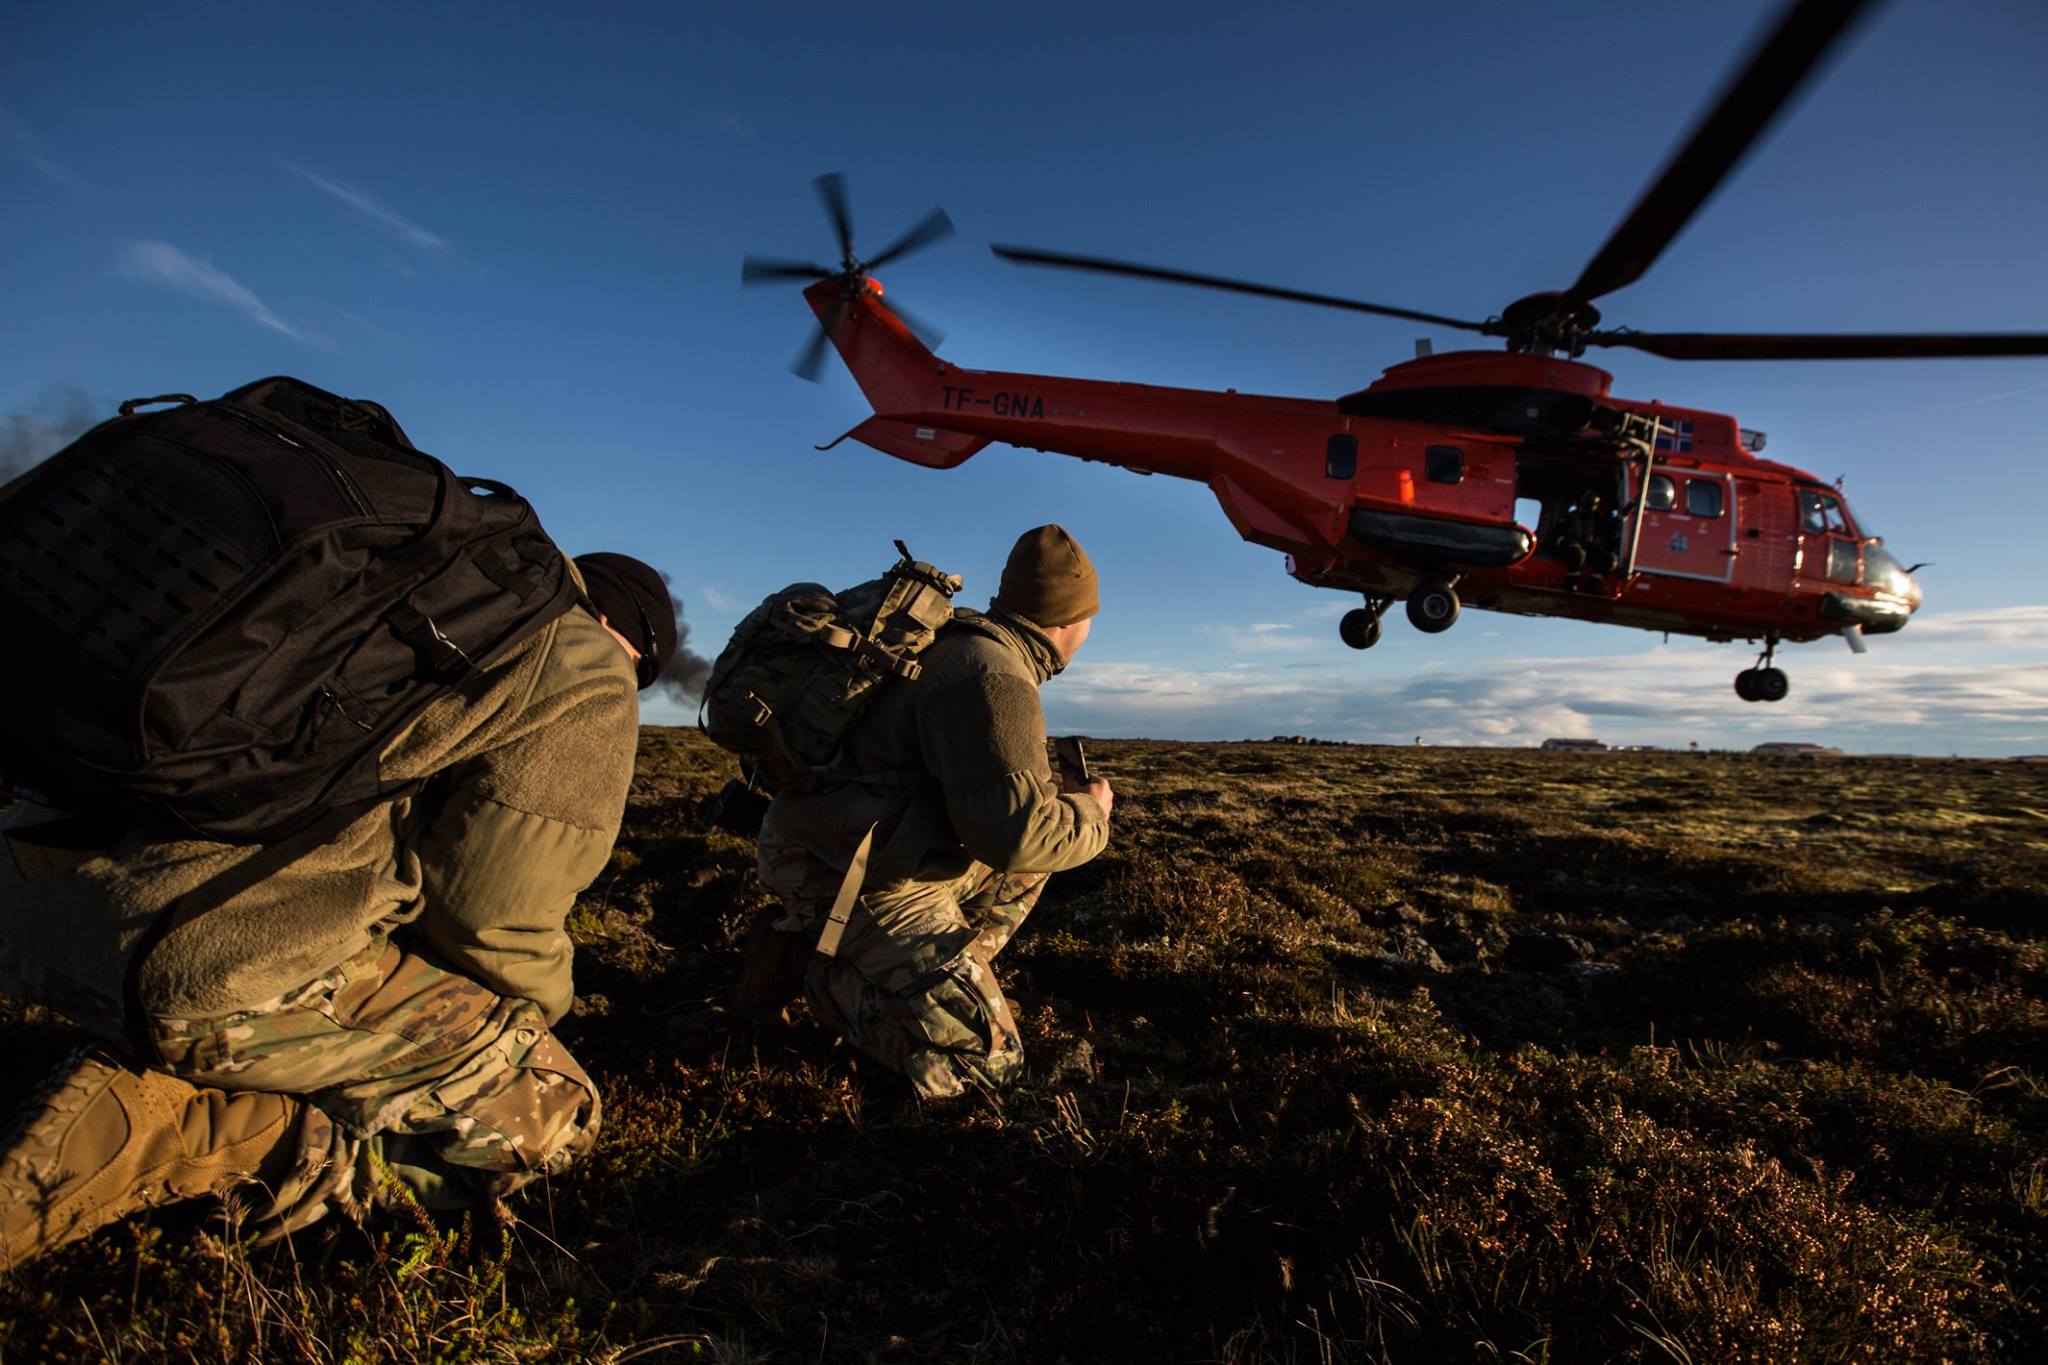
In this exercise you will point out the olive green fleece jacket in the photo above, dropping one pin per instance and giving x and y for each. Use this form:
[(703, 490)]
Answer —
[(959, 755), (529, 764)]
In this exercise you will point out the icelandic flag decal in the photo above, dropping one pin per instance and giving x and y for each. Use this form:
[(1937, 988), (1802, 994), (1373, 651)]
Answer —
[(1676, 438)]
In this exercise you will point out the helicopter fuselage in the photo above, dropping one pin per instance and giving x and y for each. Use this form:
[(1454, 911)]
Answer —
[(1499, 472)]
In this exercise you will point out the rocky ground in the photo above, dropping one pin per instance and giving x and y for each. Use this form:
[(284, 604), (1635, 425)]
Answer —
[(1341, 1053)]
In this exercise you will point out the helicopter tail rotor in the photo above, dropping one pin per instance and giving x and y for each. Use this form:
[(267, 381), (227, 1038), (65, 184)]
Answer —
[(852, 273)]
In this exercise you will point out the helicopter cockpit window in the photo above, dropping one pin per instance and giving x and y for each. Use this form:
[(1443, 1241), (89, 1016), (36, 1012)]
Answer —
[(1340, 457), (1663, 494), (1443, 464), (1821, 512), (1842, 560), (1703, 497)]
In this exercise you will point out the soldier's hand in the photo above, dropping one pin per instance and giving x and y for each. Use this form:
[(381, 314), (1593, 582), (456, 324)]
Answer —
[(1099, 789)]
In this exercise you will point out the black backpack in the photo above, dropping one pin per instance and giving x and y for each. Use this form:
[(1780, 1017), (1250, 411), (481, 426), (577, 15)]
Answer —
[(224, 612)]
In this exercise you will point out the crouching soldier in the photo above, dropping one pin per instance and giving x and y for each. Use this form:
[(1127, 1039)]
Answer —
[(327, 1028), (947, 822)]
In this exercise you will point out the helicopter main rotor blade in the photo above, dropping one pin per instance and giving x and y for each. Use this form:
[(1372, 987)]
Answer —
[(1824, 345), (765, 270), (831, 188), (1031, 256), (1746, 108), (927, 230)]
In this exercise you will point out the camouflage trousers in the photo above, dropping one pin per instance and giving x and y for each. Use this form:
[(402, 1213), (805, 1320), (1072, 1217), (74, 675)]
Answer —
[(913, 984), (420, 1083)]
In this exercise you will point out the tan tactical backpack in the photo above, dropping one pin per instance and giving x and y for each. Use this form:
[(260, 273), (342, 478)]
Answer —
[(803, 666)]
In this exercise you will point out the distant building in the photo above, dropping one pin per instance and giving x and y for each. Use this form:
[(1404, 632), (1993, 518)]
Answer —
[(1795, 748), (1575, 746)]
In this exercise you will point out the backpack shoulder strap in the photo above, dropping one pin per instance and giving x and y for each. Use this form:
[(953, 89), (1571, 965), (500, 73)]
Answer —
[(849, 894)]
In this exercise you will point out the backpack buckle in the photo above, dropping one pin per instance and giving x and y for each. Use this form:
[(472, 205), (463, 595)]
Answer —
[(918, 571), (439, 656)]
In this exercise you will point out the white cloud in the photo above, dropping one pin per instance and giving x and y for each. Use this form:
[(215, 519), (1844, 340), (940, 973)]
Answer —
[(1979, 402), (1261, 637), (733, 126), (17, 140), (370, 205), (1995, 625), (1932, 688), (162, 263), (724, 601)]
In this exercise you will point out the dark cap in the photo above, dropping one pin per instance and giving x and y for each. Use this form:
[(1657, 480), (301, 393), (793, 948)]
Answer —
[(634, 598), (1048, 580)]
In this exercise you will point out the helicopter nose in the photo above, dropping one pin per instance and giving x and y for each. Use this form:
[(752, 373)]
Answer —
[(1892, 598), (1897, 579)]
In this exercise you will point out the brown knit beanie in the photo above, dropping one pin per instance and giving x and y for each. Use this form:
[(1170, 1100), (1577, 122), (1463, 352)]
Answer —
[(1048, 581)]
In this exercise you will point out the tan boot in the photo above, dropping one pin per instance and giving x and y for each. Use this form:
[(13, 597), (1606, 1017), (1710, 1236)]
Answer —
[(104, 1141), (771, 969)]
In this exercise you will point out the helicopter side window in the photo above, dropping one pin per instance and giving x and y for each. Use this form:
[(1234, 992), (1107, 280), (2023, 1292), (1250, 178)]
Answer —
[(1842, 558), (1703, 497), (1663, 494), (1443, 464), (1340, 457), (1821, 512)]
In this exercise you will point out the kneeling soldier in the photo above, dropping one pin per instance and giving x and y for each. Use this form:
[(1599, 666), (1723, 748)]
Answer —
[(967, 824), (327, 1028)]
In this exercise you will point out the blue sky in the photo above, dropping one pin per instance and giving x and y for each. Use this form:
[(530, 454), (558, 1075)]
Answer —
[(520, 226)]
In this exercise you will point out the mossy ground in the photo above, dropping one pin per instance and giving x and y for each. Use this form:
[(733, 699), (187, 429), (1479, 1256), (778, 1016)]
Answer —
[(1339, 1054)]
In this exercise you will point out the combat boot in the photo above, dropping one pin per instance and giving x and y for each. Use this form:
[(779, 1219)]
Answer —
[(103, 1141), (772, 969)]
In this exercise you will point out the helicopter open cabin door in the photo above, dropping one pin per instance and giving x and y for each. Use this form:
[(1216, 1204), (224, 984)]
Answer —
[(1688, 528)]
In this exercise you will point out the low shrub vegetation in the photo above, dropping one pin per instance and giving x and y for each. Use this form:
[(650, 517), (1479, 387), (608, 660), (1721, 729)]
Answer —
[(1339, 1054)]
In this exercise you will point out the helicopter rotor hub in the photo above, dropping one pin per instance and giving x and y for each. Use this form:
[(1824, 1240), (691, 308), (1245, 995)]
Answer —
[(1547, 323)]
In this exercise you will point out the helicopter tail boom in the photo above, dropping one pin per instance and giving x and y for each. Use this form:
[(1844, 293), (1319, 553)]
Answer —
[(894, 370), (889, 363)]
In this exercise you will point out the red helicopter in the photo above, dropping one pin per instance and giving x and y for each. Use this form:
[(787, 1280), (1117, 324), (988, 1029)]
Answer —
[(1638, 514)]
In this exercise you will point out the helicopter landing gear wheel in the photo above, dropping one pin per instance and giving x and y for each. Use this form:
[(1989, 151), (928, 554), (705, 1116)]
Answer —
[(1433, 606), (1765, 682), (1360, 628)]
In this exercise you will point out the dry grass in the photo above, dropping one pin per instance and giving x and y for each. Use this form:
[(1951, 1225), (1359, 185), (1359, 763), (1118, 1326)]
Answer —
[(1340, 1054)]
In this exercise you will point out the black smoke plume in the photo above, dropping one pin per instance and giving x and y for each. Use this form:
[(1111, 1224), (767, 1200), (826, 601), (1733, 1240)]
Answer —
[(44, 427), (687, 671)]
